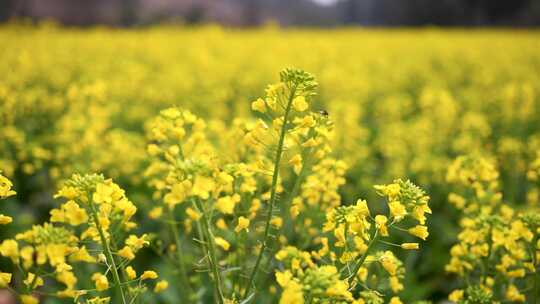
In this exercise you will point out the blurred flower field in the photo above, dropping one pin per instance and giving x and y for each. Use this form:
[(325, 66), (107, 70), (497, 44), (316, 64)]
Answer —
[(213, 165)]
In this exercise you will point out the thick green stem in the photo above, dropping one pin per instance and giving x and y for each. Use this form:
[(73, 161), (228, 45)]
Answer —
[(179, 253), (273, 191), (363, 257), (108, 255)]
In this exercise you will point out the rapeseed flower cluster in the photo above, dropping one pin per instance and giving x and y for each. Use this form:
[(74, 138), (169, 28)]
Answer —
[(497, 251), (345, 268), (90, 232)]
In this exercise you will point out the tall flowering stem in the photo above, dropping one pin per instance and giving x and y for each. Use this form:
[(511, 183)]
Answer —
[(108, 253), (273, 190), (285, 104), (168, 133), (174, 229)]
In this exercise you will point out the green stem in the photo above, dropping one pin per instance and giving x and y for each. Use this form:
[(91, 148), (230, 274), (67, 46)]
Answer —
[(113, 246), (273, 189), (535, 288), (363, 257), (108, 254), (535, 264), (286, 210), (179, 253), (202, 241), (485, 261), (212, 254)]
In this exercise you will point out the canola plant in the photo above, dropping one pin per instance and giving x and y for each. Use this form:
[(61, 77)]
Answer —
[(179, 165)]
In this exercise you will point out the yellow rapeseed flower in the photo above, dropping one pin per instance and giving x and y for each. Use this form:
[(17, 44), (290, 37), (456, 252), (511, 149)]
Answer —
[(126, 253), (381, 221), (100, 281), (131, 273), (419, 231), (299, 103), (161, 285), (221, 242), (4, 219), (28, 299), (5, 279), (259, 105), (149, 274), (243, 224), (5, 187)]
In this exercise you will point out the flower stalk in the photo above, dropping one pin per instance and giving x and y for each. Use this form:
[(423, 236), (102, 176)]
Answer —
[(108, 254), (179, 254), (210, 249), (273, 190), (363, 257)]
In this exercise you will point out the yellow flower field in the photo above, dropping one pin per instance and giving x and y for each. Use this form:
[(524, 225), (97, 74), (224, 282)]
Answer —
[(215, 165)]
